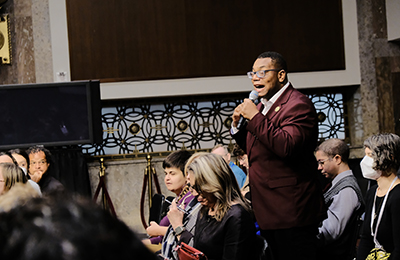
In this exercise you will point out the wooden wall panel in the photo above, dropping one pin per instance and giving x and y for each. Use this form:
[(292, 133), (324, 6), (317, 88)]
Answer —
[(123, 40)]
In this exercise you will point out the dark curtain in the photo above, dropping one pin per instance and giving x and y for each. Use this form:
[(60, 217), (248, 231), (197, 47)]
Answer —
[(69, 166)]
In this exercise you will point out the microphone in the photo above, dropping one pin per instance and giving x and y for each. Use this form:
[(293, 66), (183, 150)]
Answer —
[(253, 96)]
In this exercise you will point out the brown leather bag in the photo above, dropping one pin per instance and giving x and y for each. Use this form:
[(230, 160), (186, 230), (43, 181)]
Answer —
[(186, 252)]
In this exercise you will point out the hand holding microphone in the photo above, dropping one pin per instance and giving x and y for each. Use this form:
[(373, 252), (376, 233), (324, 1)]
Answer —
[(244, 109)]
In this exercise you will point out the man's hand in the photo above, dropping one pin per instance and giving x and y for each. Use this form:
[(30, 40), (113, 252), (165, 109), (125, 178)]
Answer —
[(247, 109), (236, 116), (36, 176)]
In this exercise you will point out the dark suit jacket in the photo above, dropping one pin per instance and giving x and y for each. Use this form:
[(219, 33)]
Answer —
[(283, 171), (49, 184)]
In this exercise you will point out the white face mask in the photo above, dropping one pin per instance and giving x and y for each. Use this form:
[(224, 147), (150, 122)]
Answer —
[(366, 168)]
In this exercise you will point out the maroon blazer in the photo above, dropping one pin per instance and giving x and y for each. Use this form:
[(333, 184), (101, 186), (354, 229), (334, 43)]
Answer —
[(280, 147)]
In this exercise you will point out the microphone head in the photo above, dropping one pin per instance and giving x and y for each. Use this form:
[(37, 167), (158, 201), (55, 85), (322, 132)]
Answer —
[(253, 95)]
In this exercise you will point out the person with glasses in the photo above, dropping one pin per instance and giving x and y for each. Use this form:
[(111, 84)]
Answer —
[(279, 139), (224, 225), (39, 162), (343, 199), (239, 173), (16, 158)]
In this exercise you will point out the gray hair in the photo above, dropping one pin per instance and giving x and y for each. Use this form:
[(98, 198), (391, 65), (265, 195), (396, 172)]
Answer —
[(226, 150)]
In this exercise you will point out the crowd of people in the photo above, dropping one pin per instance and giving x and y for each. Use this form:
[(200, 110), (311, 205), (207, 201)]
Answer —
[(273, 208), (40, 219), (282, 194)]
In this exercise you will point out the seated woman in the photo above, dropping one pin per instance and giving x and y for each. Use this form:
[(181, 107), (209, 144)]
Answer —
[(224, 226), (175, 180), (382, 204), (170, 242), (9, 175), (22, 159)]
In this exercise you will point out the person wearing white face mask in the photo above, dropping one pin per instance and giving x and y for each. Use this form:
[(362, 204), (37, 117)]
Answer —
[(381, 227), (367, 169)]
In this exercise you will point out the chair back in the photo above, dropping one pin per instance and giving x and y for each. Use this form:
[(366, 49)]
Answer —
[(157, 203)]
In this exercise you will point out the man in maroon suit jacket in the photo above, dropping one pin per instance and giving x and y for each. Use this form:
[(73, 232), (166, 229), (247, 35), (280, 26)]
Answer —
[(279, 139)]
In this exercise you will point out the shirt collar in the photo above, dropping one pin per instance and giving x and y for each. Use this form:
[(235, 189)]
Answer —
[(341, 176), (276, 96)]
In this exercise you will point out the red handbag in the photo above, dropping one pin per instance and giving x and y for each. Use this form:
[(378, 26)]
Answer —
[(186, 252)]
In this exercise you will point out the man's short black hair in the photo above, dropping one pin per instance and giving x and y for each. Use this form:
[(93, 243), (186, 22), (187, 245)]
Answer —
[(177, 159), (278, 60), (39, 148), (335, 146)]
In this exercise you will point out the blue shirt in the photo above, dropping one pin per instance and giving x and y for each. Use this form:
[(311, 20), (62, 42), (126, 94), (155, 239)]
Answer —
[(239, 174)]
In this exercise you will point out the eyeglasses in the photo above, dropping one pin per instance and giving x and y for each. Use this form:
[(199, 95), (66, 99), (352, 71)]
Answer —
[(41, 163), (321, 162), (260, 74)]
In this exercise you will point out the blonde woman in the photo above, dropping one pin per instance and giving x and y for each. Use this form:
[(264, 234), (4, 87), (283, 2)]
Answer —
[(9, 175), (224, 227)]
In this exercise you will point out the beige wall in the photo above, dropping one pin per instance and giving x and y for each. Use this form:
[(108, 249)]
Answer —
[(124, 179)]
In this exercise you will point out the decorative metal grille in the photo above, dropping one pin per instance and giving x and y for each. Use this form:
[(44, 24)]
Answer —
[(330, 109), (191, 124)]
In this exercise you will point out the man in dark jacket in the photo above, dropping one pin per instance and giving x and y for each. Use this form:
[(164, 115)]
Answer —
[(279, 140), (39, 162)]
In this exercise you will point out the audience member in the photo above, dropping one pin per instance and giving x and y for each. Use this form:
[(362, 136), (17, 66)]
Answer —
[(175, 180), (20, 194), (343, 200), (241, 156), (188, 223), (243, 161), (279, 140), (381, 227), (224, 152), (66, 228), (39, 162), (21, 159), (224, 226), (9, 175)]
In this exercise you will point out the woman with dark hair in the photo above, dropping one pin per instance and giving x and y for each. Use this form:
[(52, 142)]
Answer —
[(224, 227), (175, 180), (381, 228), (22, 159)]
